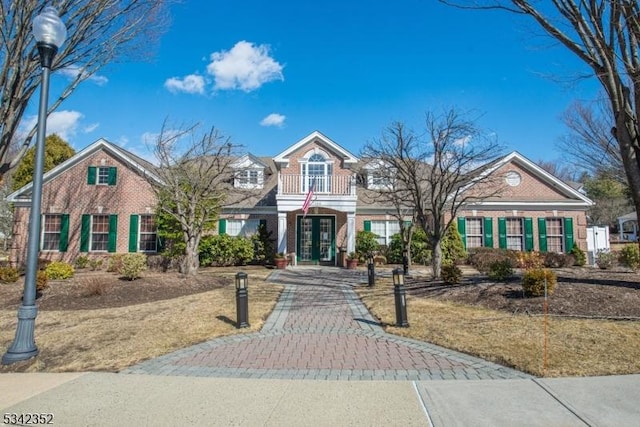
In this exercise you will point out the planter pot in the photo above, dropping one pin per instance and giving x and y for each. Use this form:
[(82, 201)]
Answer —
[(281, 263), (352, 264)]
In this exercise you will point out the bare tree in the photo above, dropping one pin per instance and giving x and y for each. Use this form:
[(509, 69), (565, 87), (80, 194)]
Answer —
[(99, 32), (605, 35), (191, 181), (432, 172), (590, 145), (561, 170)]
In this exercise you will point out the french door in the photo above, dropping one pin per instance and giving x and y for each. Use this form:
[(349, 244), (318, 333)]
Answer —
[(315, 240)]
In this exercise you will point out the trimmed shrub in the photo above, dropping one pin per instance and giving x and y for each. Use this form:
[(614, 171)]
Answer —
[(452, 245), (556, 260), (59, 270), (133, 265), (42, 281), (528, 260), (115, 263), (451, 274), (580, 258), (501, 271), (605, 260), (420, 252), (533, 282), (95, 264), (82, 262), (630, 256), (8, 275), (224, 250), (366, 242), (483, 258)]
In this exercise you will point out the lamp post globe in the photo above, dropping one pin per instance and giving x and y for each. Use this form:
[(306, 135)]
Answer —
[(49, 33)]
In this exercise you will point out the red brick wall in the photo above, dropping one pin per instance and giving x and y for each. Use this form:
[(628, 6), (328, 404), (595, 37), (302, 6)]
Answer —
[(69, 193)]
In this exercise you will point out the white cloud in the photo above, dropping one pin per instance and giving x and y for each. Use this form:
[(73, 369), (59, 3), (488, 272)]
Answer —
[(246, 67), (90, 128), (273, 119), (73, 71), (193, 83), (63, 123)]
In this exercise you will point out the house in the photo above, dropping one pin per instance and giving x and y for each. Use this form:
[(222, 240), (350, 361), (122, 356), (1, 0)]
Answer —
[(99, 202)]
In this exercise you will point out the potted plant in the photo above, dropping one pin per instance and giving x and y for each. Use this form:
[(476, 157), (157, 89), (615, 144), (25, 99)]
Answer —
[(280, 260), (352, 260)]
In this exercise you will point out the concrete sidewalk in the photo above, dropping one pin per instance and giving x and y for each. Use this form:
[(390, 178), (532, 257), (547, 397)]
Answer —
[(105, 399)]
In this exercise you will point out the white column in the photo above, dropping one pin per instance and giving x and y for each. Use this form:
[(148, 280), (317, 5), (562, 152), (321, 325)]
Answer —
[(351, 232), (282, 232)]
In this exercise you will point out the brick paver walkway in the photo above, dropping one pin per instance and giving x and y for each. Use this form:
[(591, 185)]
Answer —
[(319, 329)]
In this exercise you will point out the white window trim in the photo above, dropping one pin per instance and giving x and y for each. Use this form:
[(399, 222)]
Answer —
[(91, 234), (98, 169), (140, 235), (241, 178), (43, 232)]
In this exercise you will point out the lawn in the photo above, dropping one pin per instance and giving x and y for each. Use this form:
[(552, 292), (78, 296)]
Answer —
[(97, 322)]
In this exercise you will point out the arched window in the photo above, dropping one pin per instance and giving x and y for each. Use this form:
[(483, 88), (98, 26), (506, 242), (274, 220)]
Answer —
[(316, 173)]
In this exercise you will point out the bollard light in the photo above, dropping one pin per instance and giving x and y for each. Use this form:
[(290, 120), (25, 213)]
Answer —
[(399, 294), (242, 300), (49, 33), (371, 269), (405, 261)]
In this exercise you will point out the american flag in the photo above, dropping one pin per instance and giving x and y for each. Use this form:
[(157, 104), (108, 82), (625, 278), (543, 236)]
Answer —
[(308, 199)]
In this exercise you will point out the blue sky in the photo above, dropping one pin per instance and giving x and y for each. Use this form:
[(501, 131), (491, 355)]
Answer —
[(269, 73)]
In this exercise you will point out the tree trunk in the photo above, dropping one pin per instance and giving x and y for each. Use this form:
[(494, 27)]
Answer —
[(191, 260), (436, 258), (627, 140)]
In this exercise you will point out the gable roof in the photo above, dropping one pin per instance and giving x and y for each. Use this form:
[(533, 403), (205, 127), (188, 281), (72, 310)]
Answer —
[(535, 170), (136, 163), (316, 136)]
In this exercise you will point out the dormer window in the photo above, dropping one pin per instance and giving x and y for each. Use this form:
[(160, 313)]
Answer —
[(249, 178), (377, 181)]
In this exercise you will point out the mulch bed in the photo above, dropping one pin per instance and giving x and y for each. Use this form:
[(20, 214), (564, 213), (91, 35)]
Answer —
[(581, 292), (94, 290)]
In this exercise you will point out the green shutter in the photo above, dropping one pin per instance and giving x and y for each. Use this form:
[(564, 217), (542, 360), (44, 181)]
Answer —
[(568, 235), (488, 232), (263, 223), (133, 233), (84, 233), (113, 172), (113, 233), (64, 233), (502, 233), (91, 175), (367, 226), (542, 234), (222, 226), (528, 234), (462, 229)]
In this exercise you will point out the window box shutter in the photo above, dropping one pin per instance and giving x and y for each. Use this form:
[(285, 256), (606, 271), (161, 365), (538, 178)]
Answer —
[(542, 234), (568, 235), (91, 175), (488, 232), (133, 233), (84, 233), (222, 226), (113, 173), (462, 230), (528, 234), (502, 233), (64, 233), (367, 226), (113, 233)]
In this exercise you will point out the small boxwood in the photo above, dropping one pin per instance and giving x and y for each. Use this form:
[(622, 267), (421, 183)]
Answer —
[(533, 282)]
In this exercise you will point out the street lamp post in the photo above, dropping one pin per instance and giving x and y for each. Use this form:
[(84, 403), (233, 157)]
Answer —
[(242, 300), (399, 293), (50, 33)]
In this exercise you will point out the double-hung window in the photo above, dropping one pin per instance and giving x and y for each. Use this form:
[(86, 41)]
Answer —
[(99, 233), (474, 232), (515, 234), (148, 241), (51, 232), (555, 235), (384, 230), (242, 227)]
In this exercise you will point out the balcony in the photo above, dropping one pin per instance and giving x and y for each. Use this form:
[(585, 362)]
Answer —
[(332, 185)]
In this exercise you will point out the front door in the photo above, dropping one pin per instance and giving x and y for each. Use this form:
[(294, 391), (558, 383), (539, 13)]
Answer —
[(316, 239)]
